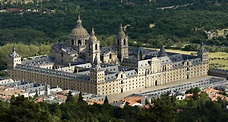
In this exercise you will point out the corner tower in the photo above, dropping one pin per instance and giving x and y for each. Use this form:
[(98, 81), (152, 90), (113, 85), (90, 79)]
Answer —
[(203, 54), (162, 51), (93, 48), (79, 36), (97, 74), (12, 60), (121, 44)]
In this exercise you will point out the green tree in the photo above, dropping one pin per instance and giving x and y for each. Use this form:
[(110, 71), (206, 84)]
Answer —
[(163, 109), (70, 97), (106, 100), (80, 98)]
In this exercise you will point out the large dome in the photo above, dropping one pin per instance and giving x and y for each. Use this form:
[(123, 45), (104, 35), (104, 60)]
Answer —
[(79, 31)]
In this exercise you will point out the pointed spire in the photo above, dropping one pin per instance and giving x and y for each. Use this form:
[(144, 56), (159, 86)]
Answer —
[(121, 27), (92, 38), (202, 49), (14, 53), (13, 49), (201, 45), (121, 32), (79, 18), (92, 32), (162, 51), (79, 22)]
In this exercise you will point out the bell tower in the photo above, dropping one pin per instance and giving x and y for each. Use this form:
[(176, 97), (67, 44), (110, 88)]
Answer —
[(93, 48), (121, 44)]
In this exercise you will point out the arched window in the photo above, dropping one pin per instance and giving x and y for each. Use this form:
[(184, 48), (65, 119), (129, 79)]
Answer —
[(95, 46), (89, 46), (79, 42), (110, 56), (156, 83), (124, 41), (86, 42)]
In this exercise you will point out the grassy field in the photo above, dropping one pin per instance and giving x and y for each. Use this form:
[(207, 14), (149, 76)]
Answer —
[(211, 55), (222, 62), (218, 55)]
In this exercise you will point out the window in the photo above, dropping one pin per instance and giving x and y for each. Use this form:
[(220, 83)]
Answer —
[(110, 56), (118, 42), (156, 83), (95, 46), (86, 41), (124, 41)]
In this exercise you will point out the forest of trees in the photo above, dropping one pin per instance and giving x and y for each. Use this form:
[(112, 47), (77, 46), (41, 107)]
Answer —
[(164, 109), (182, 25)]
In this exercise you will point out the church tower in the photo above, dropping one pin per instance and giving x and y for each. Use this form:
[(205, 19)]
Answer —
[(79, 36), (203, 54), (121, 44), (93, 48)]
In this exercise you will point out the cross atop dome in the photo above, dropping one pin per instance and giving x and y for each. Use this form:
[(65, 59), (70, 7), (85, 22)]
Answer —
[(79, 22)]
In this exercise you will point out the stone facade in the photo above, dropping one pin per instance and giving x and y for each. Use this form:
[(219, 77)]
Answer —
[(81, 64)]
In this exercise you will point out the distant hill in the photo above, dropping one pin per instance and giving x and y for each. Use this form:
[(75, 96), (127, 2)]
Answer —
[(174, 21)]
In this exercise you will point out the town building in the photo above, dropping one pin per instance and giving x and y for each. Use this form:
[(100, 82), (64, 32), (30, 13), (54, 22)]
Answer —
[(82, 64)]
